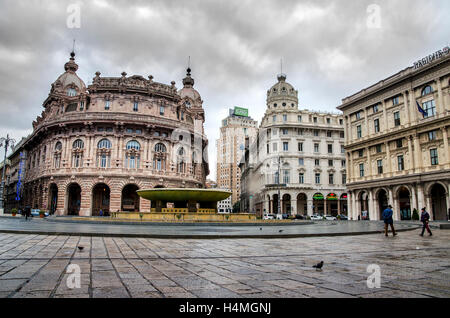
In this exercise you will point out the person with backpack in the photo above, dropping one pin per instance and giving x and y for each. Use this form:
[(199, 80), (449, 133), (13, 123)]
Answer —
[(388, 220), (425, 218)]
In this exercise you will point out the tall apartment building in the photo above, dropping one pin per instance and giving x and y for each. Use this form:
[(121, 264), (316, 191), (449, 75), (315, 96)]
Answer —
[(297, 162), (397, 143), (230, 148)]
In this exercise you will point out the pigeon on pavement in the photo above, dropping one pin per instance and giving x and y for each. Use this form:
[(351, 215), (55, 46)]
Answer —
[(80, 248), (318, 266)]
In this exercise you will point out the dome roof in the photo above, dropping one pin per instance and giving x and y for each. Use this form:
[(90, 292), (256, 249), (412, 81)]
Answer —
[(188, 90), (189, 93), (281, 89), (69, 76)]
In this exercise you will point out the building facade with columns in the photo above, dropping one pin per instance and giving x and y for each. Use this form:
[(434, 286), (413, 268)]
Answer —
[(230, 148), (297, 162), (94, 146), (397, 144)]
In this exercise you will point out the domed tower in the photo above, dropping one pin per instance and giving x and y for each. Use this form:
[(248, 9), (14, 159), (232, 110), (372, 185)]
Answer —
[(190, 108), (282, 96), (191, 100), (67, 94)]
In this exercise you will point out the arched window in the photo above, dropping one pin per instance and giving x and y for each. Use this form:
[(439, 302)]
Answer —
[(160, 148), (181, 166), (71, 92), (58, 146), (78, 144), (133, 144), (427, 90), (103, 154), (104, 144)]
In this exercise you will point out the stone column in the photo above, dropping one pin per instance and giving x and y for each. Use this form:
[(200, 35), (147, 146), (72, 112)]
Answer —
[(414, 200), (350, 167), (440, 102), (85, 208), (385, 116), (366, 121), (420, 197), (293, 207), (146, 150), (65, 158), (371, 207), (413, 106), (369, 163), (446, 158), (350, 205), (407, 108), (418, 154), (347, 130), (339, 206), (388, 158), (61, 201), (391, 197), (120, 147), (309, 207), (354, 206), (410, 154), (429, 206)]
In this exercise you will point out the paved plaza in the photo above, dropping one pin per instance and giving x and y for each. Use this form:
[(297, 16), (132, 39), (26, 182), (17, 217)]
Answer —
[(411, 266), (67, 226)]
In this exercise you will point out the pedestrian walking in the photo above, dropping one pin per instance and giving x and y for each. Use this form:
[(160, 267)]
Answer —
[(27, 213), (101, 212), (388, 220), (425, 218)]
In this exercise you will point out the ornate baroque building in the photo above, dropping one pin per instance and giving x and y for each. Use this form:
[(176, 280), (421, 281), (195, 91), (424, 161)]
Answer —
[(93, 147), (297, 162), (397, 142)]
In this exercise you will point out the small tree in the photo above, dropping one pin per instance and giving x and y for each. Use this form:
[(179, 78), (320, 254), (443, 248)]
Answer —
[(415, 215), (237, 207)]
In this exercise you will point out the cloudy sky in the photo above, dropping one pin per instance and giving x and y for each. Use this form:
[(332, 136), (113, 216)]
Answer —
[(330, 49)]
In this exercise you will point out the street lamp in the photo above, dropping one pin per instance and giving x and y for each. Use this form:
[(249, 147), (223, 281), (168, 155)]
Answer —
[(4, 141)]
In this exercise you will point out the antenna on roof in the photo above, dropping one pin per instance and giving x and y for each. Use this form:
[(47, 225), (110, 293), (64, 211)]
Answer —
[(189, 61), (73, 46), (281, 65)]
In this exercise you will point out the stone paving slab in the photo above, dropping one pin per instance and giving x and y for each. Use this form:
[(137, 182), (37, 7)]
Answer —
[(55, 227), (111, 267)]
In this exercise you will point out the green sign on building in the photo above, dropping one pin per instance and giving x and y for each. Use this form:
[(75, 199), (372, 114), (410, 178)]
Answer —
[(238, 111)]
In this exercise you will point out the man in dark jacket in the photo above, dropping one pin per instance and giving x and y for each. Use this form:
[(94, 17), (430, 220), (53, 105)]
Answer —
[(388, 220), (27, 213), (425, 218)]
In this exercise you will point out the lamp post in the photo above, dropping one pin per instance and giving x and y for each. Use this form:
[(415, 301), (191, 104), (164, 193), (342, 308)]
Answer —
[(4, 141)]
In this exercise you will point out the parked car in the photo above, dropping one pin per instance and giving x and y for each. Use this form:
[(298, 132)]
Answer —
[(35, 212), (268, 217), (343, 217), (285, 216), (299, 217), (316, 217), (330, 218), (279, 216)]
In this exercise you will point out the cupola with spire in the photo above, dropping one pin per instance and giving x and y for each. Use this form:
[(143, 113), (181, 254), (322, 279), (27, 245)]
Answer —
[(69, 78), (188, 90)]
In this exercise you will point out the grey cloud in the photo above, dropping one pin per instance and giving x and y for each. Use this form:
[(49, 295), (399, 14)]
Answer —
[(235, 47)]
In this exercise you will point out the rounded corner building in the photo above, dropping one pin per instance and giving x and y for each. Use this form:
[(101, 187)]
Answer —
[(94, 146)]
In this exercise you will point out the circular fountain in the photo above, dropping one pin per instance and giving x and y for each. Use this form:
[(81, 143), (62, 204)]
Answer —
[(184, 205)]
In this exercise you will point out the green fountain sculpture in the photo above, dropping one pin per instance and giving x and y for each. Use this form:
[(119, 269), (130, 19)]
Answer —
[(184, 205)]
